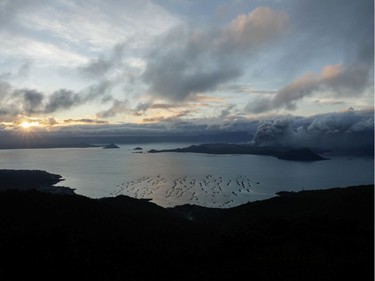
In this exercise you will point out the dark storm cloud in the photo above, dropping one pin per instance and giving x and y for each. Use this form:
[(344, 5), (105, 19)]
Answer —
[(343, 130), (185, 62)]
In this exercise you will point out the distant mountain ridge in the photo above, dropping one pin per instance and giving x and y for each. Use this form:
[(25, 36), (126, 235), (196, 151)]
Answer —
[(304, 154), (13, 141)]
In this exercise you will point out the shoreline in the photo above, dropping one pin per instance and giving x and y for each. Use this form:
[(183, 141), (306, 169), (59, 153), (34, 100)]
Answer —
[(39, 180), (43, 181)]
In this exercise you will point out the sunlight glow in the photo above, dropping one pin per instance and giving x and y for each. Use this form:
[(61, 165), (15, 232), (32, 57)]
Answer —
[(28, 125)]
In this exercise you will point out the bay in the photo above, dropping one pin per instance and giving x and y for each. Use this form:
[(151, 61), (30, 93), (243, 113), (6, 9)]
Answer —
[(171, 179)]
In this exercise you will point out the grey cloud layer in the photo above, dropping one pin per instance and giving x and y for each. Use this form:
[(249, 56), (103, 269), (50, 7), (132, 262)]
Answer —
[(340, 31), (185, 62), (100, 66), (31, 102), (337, 80), (351, 129), (189, 60)]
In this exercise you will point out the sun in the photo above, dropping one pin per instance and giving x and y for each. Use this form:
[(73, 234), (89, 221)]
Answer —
[(27, 125)]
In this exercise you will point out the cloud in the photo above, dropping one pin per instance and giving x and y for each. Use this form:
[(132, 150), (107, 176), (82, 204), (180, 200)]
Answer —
[(62, 100), (257, 28), (85, 121), (64, 32), (350, 121), (45, 53), (107, 53), (175, 118), (328, 102), (185, 62), (17, 101), (348, 130), (116, 108), (45, 122), (101, 90), (30, 102), (334, 31), (100, 66), (335, 36), (227, 111), (334, 80)]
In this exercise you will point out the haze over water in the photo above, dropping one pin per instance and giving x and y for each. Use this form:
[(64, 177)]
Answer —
[(171, 179)]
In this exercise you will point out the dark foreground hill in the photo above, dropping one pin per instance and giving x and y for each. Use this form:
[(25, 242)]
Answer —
[(309, 235)]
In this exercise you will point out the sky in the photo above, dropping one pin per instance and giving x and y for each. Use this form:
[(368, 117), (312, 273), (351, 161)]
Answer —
[(119, 66)]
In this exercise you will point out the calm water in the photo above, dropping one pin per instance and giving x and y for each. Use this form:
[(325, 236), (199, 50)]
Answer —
[(171, 179)]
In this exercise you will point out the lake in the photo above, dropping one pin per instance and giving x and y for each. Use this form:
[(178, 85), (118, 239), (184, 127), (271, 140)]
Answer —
[(171, 179)]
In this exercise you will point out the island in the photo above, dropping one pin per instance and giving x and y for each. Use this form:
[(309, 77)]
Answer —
[(138, 150), (111, 145), (304, 154)]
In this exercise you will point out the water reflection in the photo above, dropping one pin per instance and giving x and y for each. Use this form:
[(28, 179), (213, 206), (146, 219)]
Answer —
[(186, 178)]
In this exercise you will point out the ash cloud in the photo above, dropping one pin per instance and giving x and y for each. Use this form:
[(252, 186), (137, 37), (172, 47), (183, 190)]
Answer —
[(346, 131), (272, 132)]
